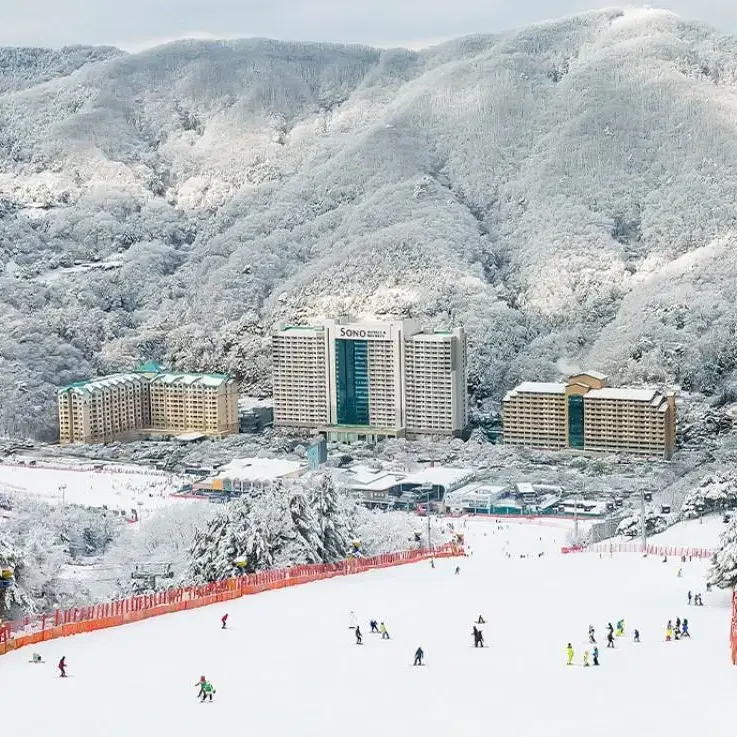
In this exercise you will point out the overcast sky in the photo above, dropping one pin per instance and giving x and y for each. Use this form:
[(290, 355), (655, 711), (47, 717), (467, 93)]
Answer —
[(135, 24)]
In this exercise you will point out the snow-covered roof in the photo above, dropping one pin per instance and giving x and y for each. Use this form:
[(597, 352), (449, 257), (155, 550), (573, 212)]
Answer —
[(592, 374), (476, 492), (368, 477), (440, 476), (211, 380), (631, 395), (248, 403), (260, 469), (104, 382), (536, 387)]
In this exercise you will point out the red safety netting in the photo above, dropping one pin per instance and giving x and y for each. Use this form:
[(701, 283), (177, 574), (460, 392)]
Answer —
[(31, 630)]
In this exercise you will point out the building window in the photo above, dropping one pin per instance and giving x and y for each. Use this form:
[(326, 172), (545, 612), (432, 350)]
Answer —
[(575, 422)]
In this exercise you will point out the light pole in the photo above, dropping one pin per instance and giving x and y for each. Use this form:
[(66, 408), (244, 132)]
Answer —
[(427, 492), (644, 521)]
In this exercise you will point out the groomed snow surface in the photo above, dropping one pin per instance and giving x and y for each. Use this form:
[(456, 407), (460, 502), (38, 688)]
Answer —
[(288, 665)]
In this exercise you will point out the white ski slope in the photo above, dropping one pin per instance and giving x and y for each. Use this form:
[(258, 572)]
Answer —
[(288, 665)]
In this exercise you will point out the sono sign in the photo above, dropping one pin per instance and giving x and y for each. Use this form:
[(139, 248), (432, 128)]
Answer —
[(358, 333)]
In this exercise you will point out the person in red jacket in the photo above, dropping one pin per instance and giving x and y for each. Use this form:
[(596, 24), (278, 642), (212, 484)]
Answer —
[(224, 620), (63, 667)]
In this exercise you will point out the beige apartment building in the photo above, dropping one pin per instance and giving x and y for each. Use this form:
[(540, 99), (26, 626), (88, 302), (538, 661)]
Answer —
[(587, 414), (370, 380), (148, 401)]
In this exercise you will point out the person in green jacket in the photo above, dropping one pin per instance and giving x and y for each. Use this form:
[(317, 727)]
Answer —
[(207, 691), (569, 652)]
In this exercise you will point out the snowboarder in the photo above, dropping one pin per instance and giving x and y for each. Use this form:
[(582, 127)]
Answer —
[(680, 573), (63, 667), (352, 620), (207, 691), (690, 597), (36, 658), (419, 655), (200, 684), (359, 636), (697, 600), (384, 632), (569, 653), (610, 639), (620, 628), (684, 630), (610, 628), (374, 626), (586, 659), (458, 570), (668, 631), (592, 634), (595, 654), (224, 620), (637, 635), (480, 620)]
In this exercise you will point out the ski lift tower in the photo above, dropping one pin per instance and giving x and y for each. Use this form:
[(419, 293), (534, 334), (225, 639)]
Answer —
[(146, 575)]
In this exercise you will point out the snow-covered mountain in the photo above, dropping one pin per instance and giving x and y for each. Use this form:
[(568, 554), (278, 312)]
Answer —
[(566, 191)]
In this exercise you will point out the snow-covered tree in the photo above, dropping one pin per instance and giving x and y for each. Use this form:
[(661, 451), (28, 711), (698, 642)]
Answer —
[(331, 520), (724, 565), (307, 527)]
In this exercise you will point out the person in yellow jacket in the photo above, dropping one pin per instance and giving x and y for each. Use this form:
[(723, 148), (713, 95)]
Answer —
[(669, 632), (383, 631), (569, 653)]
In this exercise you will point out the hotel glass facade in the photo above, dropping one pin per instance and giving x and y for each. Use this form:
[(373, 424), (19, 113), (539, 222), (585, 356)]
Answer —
[(371, 380)]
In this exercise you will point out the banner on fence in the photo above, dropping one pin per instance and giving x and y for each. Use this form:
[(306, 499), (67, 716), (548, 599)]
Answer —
[(660, 550), (32, 630)]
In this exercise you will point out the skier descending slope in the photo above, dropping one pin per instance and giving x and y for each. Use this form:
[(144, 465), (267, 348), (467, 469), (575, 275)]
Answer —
[(224, 620), (419, 655), (207, 691), (201, 684), (569, 653), (359, 636), (63, 667)]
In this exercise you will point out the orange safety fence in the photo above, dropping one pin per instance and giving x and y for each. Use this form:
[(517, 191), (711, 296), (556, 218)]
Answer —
[(663, 550), (31, 630), (733, 630)]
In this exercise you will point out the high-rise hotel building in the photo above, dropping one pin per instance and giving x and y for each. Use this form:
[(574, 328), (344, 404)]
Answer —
[(147, 401), (587, 414), (370, 380)]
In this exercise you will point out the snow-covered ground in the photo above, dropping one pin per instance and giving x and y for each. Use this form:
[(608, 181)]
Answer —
[(288, 665), (120, 487), (692, 533)]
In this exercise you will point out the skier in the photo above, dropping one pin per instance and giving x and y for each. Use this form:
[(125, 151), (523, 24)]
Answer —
[(680, 573), (36, 658), (478, 637), (595, 654), (610, 628), (708, 587), (224, 620), (419, 655), (207, 690), (200, 684), (690, 597), (458, 570), (374, 626), (569, 653), (637, 635), (697, 600), (668, 631), (586, 659), (352, 620), (592, 634), (610, 639), (684, 630), (620, 628), (384, 632), (480, 620), (359, 636)]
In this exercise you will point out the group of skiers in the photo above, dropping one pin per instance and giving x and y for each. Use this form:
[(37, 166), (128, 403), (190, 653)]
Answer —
[(695, 599), (206, 689), (377, 629), (678, 632), (592, 656)]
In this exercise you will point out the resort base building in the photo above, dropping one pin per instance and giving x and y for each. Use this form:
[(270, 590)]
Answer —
[(587, 414)]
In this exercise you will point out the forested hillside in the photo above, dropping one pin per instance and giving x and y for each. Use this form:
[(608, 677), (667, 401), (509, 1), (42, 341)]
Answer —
[(566, 191)]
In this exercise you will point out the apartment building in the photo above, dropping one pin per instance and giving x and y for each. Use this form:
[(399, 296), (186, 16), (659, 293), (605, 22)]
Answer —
[(587, 414), (370, 380), (148, 401)]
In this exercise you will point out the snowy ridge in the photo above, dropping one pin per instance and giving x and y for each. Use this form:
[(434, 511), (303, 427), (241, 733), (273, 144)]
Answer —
[(564, 191)]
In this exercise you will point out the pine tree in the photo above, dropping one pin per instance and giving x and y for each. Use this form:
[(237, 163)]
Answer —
[(307, 528), (332, 523), (724, 566)]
